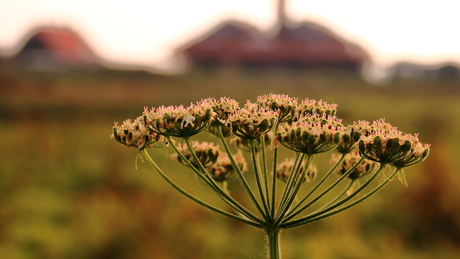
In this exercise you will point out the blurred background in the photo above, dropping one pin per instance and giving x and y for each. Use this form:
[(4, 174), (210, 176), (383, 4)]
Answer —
[(69, 69)]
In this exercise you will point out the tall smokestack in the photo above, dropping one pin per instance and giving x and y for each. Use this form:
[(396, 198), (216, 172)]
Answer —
[(281, 13)]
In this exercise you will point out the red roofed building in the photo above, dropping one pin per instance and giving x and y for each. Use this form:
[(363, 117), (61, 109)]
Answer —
[(56, 49), (305, 45)]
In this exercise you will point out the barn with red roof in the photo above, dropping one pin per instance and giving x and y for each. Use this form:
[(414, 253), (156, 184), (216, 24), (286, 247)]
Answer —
[(304, 45), (55, 48)]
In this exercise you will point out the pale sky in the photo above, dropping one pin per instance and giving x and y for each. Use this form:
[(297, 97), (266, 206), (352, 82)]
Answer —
[(146, 32)]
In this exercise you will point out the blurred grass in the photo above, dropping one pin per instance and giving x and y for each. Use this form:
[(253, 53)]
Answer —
[(68, 191)]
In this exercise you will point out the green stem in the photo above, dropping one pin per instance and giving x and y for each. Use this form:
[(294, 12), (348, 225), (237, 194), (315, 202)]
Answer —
[(240, 175), (293, 193), (265, 174), (273, 238), (339, 195), (258, 175), (296, 210), (321, 214), (290, 181), (188, 195), (374, 191), (274, 183), (212, 183)]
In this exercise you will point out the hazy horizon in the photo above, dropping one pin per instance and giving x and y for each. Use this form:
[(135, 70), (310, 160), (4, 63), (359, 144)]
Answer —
[(147, 33)]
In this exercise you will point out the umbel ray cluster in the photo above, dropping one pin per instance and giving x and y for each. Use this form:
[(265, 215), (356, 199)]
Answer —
[(245, 142)]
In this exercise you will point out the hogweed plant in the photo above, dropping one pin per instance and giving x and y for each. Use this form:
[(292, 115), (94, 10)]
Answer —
[(365, 157)]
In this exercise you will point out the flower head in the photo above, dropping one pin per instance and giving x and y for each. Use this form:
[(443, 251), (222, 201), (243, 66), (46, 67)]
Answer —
[(310, 106), (245, 143), (347, 143), (383, 143), (135, 134), (283, 170), (359, 128), (251, 122), (206, 152), (216, 162), (225, 129), (365, 128), (418, 152), (311, 134), (223, 169), (180, 121), (365, 167), (284, 104), (222, 108)]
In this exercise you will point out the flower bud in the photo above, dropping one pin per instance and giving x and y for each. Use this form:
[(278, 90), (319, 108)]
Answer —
[(387, 145), (406, 146), (377, 141), (180, 121), (245, 143), (312, 135), (215, 162), (282, 104), (345, 142), (350, 160), (415, 150), (206, 152), (221, 109), (309, 107), (251, 122), (223, 169), (355, 136), (284, 169), (136, 134)]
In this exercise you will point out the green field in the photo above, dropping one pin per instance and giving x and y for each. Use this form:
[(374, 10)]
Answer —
[(69, 191)]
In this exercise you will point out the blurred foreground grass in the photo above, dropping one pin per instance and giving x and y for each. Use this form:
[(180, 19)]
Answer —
[(68, 191)]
